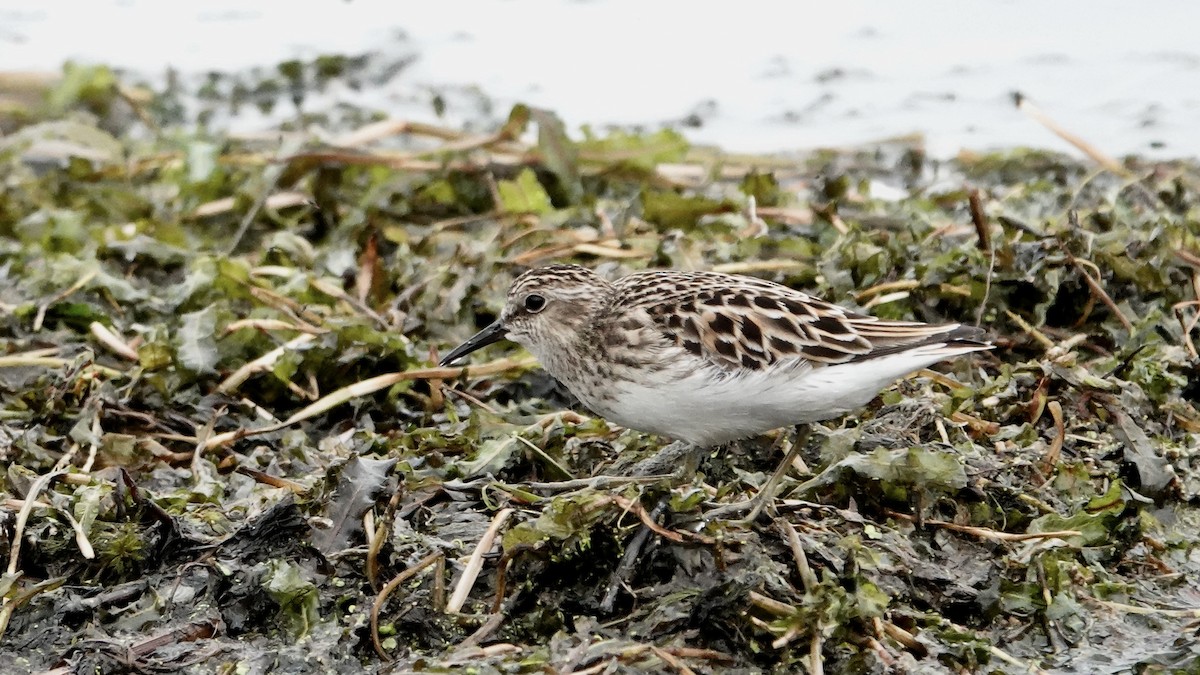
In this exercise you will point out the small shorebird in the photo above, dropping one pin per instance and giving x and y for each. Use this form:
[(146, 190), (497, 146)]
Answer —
[(708, 358)]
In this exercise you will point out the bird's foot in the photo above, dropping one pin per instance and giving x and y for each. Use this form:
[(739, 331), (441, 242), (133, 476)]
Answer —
[(756, 505), (766, 494)]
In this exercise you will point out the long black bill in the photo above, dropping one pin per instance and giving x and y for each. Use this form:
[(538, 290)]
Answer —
[(485, 337)]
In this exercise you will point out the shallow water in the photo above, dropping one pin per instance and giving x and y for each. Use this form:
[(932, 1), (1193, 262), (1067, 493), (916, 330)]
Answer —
[(770, 76)]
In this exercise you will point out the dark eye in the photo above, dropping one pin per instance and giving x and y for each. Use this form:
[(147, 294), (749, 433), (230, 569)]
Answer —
[(534, 303)]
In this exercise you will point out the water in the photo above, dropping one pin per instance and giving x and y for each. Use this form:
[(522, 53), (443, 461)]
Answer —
[(766, 76)]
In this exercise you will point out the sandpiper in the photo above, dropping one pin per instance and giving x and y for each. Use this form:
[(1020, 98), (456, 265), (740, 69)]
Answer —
[(707, 358)]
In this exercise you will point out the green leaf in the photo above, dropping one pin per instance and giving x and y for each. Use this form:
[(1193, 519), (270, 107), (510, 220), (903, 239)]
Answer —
[(916, 467), (641, 151), (1095, 525), (763, 187), (524, 195), (94, 86), (297, 596), (87, 504), (672, 210), (492, 456), (517, 122)]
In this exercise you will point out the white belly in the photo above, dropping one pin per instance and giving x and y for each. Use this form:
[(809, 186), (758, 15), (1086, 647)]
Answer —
[(700, 409)]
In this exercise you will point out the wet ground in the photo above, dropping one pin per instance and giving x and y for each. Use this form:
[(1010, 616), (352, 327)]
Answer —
[(766, 77)]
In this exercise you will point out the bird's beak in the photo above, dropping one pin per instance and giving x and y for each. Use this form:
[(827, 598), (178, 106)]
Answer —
[(485, 337)]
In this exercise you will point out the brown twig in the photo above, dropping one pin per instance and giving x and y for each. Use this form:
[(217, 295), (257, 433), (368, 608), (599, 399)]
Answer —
[(703, 654), (637, 509), (364, 388), (79, 284), (1055, 452), (377, 539), (105, 336), (9, 603), (975, 424), (986, 533), (1188, 258), (1036, 334), (807, 577), (1188, 325), (771, 605), (1083, 265), (1026, 106), (387, 590), (468, 398), (1193, 613), (672, 661), (273, 481), (979, 220), (887, 287), (488, 627), (475, 562), (1014, 661), (984, 243), (905, 638)]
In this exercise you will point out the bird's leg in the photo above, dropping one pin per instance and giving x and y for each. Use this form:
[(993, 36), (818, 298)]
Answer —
[(766, 494)]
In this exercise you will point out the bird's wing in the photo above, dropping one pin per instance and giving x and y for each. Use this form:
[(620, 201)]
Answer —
[(745, 323)]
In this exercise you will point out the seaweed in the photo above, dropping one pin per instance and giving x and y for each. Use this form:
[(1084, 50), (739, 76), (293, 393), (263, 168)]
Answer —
[(227, 444)]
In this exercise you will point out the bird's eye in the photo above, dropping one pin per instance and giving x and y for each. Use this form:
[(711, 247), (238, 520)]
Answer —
[(534, 303)]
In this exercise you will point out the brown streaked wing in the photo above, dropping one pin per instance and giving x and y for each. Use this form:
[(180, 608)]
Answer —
[(741, 322), (747, 323)]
